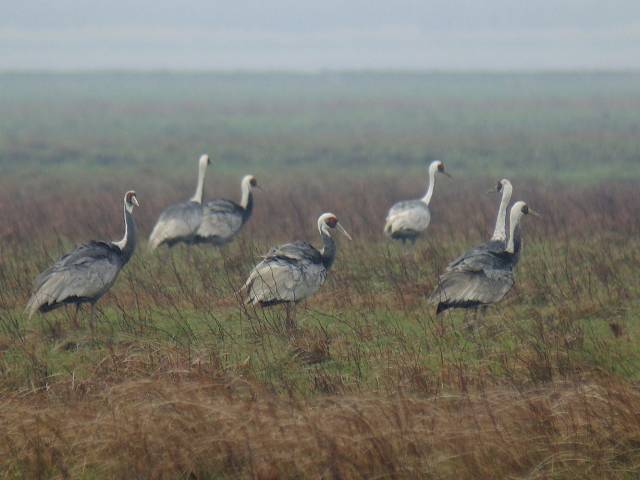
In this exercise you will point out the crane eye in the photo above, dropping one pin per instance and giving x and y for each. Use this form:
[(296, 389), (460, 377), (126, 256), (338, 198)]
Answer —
[(332, 222), (441, 167), (499, 187), (525, 209), (253, 182)]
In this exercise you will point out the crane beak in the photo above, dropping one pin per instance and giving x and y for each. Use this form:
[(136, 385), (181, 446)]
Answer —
[(534, 213), (341, 228), (134, 200), (446, 174)]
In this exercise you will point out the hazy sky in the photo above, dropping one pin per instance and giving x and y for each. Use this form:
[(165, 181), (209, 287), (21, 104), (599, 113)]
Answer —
[(323, 34)]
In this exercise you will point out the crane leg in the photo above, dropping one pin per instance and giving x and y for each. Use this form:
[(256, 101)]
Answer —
[(468, 322), (471, 324), (93, 320), (476, 320), (290, 321), (478, 317), (76, 324)]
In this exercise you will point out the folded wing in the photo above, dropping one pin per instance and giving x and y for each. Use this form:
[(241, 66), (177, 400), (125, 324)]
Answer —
[(86, 273)]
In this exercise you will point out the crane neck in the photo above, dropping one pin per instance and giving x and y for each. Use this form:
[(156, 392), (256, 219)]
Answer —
[(500, 232), (514, 222), (329, 249), (246, 201), (202, 171), (432, 183), (128, 243)]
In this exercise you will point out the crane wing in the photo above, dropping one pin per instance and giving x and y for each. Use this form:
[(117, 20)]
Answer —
[(221, 220), (464, 289), (177, 223), (86, 273), (410, 216), (484, 251), (277, 280), (295, 251)]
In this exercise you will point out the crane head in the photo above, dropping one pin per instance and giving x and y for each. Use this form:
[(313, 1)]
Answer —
[(130, 199), (523, 209), (331, 221), (501, 184), (440, 168), (250, 182), (527, 210)]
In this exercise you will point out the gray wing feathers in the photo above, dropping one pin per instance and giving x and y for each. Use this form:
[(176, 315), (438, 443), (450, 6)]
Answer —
[(485, 287), (296, 251), (411, 216), (288, 273), (221, 221), (74, 276), (475, 257), (277, 279), (177, 223)]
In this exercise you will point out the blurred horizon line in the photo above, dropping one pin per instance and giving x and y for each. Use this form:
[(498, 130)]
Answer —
[(320, 71)]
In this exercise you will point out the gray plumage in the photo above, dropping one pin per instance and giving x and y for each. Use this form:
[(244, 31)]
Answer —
[(481, 279), (293, 271), (498, 241), (491, 247), (406, 220), (177, 224), (215, 222), (88, 272), (482, 276), (222, 219), (180, 222)]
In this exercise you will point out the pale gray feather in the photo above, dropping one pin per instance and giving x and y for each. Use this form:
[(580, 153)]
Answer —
[(407, 219), (472, 288), (221, 221), (85, 274), (178, 223)]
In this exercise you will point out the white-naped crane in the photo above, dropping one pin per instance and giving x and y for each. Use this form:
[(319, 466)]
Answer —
[(483, 278), (406, 220), (222, 219), (180, 222), (88, 272), (498, 241), (294, 271)]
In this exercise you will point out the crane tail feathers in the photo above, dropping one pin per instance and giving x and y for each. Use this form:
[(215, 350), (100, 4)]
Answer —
[(33, 305), (153, 243)]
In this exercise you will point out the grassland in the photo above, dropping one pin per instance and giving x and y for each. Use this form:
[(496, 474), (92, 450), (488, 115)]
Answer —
[(184, 381), (577, 127)]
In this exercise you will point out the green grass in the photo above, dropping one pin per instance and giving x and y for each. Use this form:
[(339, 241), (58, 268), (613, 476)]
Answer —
[(184, 381), (573, 127)]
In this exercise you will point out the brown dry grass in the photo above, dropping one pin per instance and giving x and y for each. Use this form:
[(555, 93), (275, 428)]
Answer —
[(178, 425), (185, 384)]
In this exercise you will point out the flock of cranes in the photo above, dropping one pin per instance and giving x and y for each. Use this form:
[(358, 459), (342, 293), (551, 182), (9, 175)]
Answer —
[(291, 272), (215, 222)]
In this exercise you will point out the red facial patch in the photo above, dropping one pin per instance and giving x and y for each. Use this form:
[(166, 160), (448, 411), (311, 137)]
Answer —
[(130, 196), (332, 222), (441, 167)]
